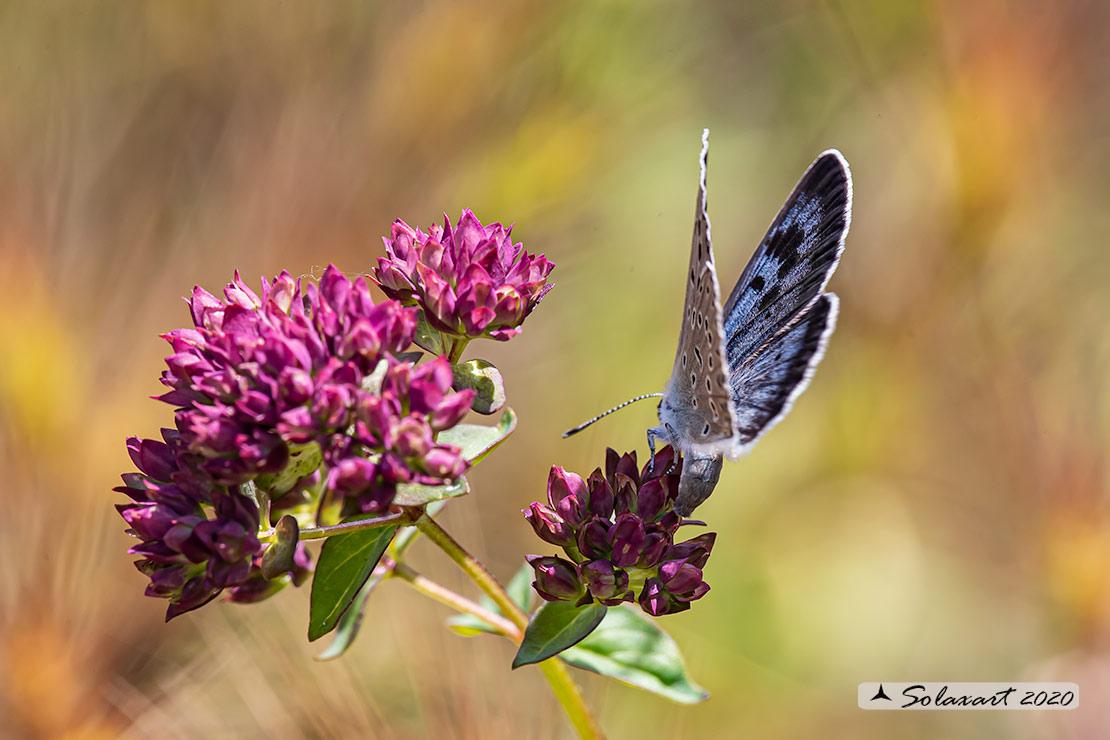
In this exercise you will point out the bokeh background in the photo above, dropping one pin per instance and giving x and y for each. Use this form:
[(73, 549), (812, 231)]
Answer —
[(935, 508)]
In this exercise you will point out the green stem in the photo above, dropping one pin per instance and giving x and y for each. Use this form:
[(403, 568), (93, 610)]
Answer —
[(457, 347), (456, 601), (556, 673), (316, 533)]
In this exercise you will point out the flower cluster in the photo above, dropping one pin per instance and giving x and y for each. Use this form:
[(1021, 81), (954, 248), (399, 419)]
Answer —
[(262, 383), (470, 280), (617, 528), (198, 537), (261, 373)]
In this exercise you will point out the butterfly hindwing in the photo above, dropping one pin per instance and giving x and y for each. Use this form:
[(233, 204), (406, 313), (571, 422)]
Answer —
[(766, 384), (795, 259)]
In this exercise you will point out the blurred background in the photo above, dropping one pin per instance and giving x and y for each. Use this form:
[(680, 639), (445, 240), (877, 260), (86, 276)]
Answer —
[(935, 508)]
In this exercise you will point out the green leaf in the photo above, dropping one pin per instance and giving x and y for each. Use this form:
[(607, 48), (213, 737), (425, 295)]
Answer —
[(351, 621), (303, 461), (519, 590), (278, 558), (346, 562), (476, 440), (427, 337), (418, 494), (555, 627), (485, 380), (631, 648)]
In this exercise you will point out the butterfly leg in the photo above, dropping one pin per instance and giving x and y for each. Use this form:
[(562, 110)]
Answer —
[(674, 460), (651, 435)]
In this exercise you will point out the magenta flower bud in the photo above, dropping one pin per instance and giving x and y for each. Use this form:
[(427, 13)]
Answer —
[(150, 521), (601, 495), (195, 593), (567, 494), (607, 584), (694, 551), (547, 525), (152, 457), (445, 461), (181, 538), (650, 500), (410, 437), (470, 280), (256, 589), (627, 539), (223, 573), (621, 465), (451, 409), (556, 579), (509, 304), (294, 386), (654, 599), (164, 581), (653, 551), (353, 476), (207, 309), (593, 538), (332, 405), (682, 580)]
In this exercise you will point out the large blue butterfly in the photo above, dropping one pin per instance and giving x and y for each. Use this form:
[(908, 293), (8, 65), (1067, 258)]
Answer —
[(737, 371)]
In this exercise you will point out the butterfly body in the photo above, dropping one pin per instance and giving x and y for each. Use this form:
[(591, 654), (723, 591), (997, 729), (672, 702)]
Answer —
[(738, 370)]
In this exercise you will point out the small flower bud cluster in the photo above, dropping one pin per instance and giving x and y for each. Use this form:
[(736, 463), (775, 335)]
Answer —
[(470, 280), (198, 537), (617, 528)]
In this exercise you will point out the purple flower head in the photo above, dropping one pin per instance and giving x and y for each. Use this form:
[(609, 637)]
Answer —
[(470, 280), (618, 526), (261, 371), (295, 391), (556, 579)]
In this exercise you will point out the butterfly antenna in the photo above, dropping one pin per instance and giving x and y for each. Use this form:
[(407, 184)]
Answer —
[(585, 424)]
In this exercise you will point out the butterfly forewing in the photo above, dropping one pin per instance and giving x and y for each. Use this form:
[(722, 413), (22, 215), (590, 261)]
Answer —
[(795, 259), (776, 320), (698, 390)]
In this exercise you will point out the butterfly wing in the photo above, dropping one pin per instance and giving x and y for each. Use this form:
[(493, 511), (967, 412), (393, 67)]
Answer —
[(697, 411), (766, 385), (776, 319)]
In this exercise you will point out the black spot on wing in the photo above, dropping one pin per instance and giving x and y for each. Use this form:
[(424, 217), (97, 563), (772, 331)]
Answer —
[(768, 298), (757, 283), (784, 243)]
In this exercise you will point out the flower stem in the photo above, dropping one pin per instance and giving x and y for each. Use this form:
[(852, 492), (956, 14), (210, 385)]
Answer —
[(457, 347), (566, 691), (316, 533), (456, 601)]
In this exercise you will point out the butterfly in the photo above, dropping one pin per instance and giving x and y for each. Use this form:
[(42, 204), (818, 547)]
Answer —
[(738, 369)]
